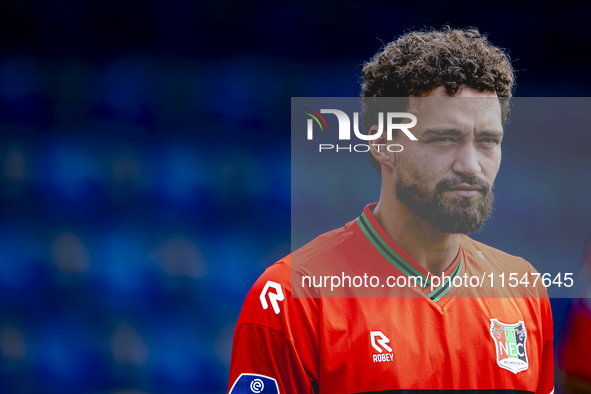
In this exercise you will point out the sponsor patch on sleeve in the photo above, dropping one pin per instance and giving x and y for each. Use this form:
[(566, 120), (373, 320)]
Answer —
[(249, 383)]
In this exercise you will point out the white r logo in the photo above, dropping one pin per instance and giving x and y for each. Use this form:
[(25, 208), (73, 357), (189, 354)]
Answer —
[(273, 297), (382, 341)]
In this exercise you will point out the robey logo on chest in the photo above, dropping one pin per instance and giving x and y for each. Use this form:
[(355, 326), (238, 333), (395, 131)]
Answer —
[(379, 342)]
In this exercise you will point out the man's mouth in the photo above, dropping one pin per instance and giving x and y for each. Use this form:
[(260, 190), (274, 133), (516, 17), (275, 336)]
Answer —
[(466, 190)]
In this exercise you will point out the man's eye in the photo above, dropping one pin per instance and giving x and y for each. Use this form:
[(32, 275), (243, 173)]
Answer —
[(442, 139), (489, 140)]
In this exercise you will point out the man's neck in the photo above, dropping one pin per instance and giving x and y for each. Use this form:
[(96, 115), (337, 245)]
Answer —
[(431, 248)]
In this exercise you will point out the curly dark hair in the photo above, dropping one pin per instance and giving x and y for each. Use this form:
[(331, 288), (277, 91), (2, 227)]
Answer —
[(422, 60)]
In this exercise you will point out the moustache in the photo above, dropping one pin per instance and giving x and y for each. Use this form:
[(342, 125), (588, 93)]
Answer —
[(449, 183)]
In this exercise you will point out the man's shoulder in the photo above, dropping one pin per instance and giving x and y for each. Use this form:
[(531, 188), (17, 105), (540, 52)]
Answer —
[(321, 253), (321, 250), (487, 260), (271, 304), (488, 255)]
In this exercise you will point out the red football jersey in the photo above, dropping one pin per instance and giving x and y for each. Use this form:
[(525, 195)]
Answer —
[(430, 338)]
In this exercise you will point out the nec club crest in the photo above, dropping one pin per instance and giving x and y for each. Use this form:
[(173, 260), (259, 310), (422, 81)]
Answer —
[(510, 343)]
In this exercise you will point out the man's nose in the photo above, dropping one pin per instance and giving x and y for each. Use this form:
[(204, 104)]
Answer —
[(467, 160)]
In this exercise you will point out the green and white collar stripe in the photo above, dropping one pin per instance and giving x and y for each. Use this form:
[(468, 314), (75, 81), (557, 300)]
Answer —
[(444, 287), (389, 254)]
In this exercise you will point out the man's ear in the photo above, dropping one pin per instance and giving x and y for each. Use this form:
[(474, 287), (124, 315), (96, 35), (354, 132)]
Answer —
[(378, 148)]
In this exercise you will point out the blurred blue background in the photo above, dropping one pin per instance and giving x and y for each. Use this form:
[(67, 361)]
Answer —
[(145, 167)]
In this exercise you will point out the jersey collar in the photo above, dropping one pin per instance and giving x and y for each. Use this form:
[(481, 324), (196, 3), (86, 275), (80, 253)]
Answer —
[(402, 260)]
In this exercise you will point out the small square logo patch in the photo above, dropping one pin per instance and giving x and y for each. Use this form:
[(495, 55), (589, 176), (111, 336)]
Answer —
[(251, 383)]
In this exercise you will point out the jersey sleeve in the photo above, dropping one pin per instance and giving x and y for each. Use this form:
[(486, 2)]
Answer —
[(546, 384), (274, 348)]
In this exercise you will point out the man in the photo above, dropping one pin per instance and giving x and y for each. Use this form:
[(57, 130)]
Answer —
[(431, 337)]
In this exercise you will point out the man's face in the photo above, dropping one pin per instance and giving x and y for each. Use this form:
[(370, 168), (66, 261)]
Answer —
[(447, 176)]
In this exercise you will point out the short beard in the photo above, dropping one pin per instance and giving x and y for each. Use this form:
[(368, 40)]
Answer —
[(453, 215)]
